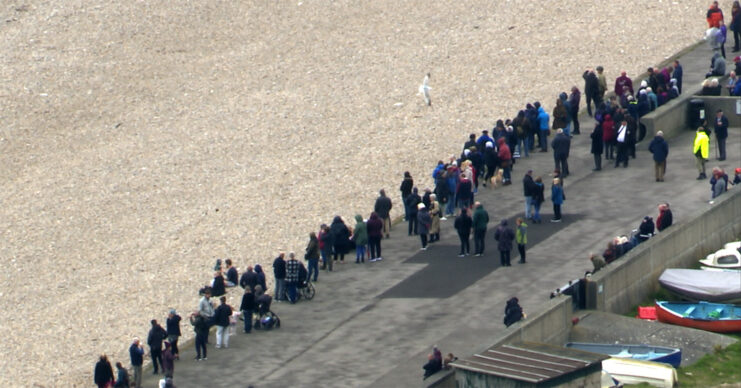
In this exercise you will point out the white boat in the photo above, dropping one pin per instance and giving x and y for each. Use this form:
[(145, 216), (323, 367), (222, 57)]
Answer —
[(727, 258), (704, 268), (733, 245), (629, 371)]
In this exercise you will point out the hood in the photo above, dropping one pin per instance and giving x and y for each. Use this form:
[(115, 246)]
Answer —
[(258, 268), (503, 223), (358, 218), (374, 216), (337, 220)]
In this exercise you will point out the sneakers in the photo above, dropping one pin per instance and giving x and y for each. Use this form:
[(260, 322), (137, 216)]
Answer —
[(379, 259), (373, 260), (423, 249), (479, 255), (444, 219), (556, 220), (461, 255)]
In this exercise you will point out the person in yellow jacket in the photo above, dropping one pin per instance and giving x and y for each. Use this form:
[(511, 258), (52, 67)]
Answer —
[(700, 148), (521, 238)]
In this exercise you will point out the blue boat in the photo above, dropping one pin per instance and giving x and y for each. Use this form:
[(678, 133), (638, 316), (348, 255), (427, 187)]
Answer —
[(672, 356)]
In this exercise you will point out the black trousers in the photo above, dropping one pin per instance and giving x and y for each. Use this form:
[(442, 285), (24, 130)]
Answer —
[(478, 240), (556, 212), (521, 249), (598, 161), (156, 358), (575, 119), (504, 258), (413, 223), (622, 154), (423, 239), (465, 243), (375, 246)]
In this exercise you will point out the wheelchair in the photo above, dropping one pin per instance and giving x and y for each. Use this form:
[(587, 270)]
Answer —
[(306, 290), (266, 319)]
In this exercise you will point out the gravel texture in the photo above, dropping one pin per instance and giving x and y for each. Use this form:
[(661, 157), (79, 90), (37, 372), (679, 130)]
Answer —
[(140, 140)]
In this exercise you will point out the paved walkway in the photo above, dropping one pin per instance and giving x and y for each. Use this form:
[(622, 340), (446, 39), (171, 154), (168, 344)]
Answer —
[(373, 324)]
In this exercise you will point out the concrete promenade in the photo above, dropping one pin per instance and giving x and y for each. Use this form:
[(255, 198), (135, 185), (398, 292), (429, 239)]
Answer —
[(373, 324)]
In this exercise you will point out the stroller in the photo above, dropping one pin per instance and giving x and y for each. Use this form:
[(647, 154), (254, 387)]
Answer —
[(266, 319)]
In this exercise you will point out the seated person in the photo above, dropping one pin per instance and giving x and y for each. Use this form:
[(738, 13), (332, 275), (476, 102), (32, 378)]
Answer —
[(262, 300), (232, 276), (512, 312), (448, 359), (717, 66), (218, 287), (302, 275), (432, 366), (711, 87), (622, 246), (597, 262), (610, 254), (646, 230), (664, 220)]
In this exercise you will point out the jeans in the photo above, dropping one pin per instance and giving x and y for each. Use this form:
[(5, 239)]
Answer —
[(506, 176), (247, 315), (222, 336), (280, 289), (504, 258), (531, 140), (556, 211), (137, 375), (292, 291), (543, 140), (313, 267), (478, 240), (521, 249), (201, 340), (326, 260), (359, 253), (375, 247), (536, 216), (567, 129), (465, 244), (528, 205), (156, 357), (523, 147), (450, 208)]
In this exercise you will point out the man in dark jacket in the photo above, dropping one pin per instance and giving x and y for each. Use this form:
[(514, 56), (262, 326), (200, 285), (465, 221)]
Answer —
[(406, 188), (411, 203), (248, 309), (173, 331), (528, 190), (660, 149), (463, 224), (221, 320), (561, 145), (597, 146), (249, 279), (103, 375), (480, 220), (279, 271), (200, 327), (136, 353), (374, 227), (232, 276), (721, 133), (591, 89), (156, 335), (677, 74), (504, 236), (383, 209)]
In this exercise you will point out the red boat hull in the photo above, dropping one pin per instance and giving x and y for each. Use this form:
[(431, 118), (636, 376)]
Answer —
[(719, 326)]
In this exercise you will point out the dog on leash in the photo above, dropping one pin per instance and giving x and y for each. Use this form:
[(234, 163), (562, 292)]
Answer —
[(497, 179)]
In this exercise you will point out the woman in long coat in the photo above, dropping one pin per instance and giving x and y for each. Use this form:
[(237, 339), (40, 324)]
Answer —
[(340, 238), (435, 214)]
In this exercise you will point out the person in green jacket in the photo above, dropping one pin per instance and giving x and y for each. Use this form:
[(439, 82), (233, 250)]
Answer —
[(700, 148), (521, 238), (360, 237), (480, 219)]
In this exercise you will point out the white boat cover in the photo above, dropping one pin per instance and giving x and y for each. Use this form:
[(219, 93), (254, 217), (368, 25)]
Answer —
[(699, 285)]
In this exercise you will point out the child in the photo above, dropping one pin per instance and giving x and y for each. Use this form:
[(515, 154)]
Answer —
[(521, 238)]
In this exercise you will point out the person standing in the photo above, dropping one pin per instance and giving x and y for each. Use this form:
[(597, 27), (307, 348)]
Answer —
[(248, 309), (700, 148), (538, 198), (608, 136), (173, 331), (504, 236), (463, 224), (561, 145), (623, 82), (312, 256), (602, 84), (677, 74), (374, 227), (103, 375), (279, 273), (543, 125), (557, 197), (383, 209), (574, 99), (136, 354), (435, 215), (411, 202), (505, 161), (721, 133), (221, 320), (248, 279), (714, 15), (591, 90), (521, 238), (292, 268), (423, 221), (406, 188), (325, 247), (736, 24), (528, 190), (200, 327), (660, 149), (156, 335), (622, 145), (340, 238), (360, 237), (597, 148), (480, 220), (168, 360)]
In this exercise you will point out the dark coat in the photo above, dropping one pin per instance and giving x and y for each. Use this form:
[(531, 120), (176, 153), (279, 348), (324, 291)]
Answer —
[(249, 279), (597, 142), (463, 224), (136, 354), (248, 302), (504, 235), (406, 187), (528, 186), (173, 325), (561, 145), (512, 312), (260, 277), (279, 268), (660, 148), (156, 335), (591, 83), (232, 275), (312, 249), (340, 236), (222, 314), (219, 287), (103, 372), (374, 226), (383, 206), (539, 193), (721, 127), (424, 221)]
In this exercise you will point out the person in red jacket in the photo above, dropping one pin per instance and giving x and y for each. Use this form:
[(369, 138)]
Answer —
[(505, 160), (714, 15), (608, 136), (622, 82)]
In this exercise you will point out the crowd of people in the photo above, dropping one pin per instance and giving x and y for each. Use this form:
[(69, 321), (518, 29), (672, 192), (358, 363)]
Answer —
[(486, 160)]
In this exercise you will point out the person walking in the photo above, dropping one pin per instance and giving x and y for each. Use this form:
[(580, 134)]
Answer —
[(528, 190), (660, 149), (480, 220), (248, 309), (463, 224), (360, 237), (504, 236), (557, 197), (597, 146), (156, 335), (423, 221), (700, 148), (721, 133), (221, 320), (136, 354), (383, 209), (173, 331), (312, 256), (521, 239)]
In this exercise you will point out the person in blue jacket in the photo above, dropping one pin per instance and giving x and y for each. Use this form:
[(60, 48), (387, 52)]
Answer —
[(557, 197), (544, 125)]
